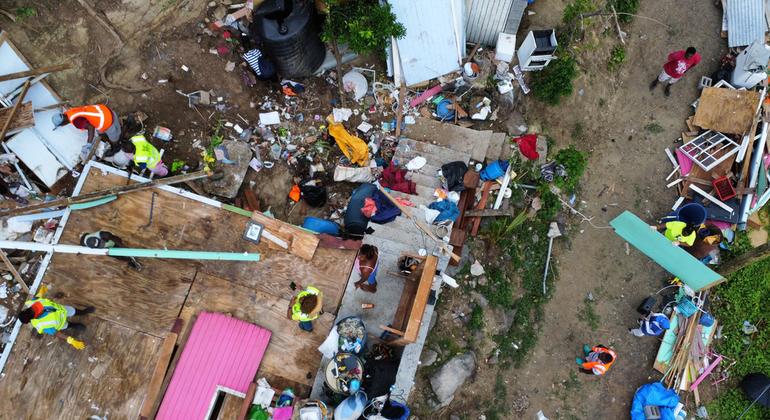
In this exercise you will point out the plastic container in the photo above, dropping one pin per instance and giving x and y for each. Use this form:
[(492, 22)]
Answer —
[(693, 214), (162, 133)]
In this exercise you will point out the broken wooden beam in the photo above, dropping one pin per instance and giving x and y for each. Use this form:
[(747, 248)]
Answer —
[(152, 398), (7, 124), (13, 271), (24, 118), (35, 72), (124, 189)]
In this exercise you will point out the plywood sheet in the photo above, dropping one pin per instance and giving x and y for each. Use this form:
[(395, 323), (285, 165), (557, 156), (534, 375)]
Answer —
[(292, 354), (147, 300), (185, 224), (725, 110), (46, 378), (23, 118)]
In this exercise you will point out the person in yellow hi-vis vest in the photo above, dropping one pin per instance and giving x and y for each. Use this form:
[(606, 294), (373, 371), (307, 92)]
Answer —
[(145, 155), (305, 307), (49, 317)]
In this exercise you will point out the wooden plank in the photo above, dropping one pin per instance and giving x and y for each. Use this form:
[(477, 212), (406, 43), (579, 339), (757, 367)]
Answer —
[(292, 354), (251, 199), (511, 211), (392, 330), (110, 377), (152, 399), (13, 271), (24, 118), (302, 243), (12, 115), (405, 303), (35, 72), (726, 110), (420, 299), (148, 300), (231, 407), (481, 205), (246, 402)]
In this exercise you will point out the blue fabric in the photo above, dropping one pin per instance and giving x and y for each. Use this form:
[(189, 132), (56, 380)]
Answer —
[(372, 279), (494, 170), (49, 331), (656, 325), (306, 326), (321, 225), (386, 210), (448, 210), (654, 394)]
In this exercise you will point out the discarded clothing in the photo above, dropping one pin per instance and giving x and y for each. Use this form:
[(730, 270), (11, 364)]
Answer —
[(370, 208), (351, 174), (395, 179), (292, 88), (654, 394), (447, 211), (386, 210), (314, 195), (262, 67), (548, 171), (355, 221), (453, 173), (352, 147), (528, 146), (494, 170)]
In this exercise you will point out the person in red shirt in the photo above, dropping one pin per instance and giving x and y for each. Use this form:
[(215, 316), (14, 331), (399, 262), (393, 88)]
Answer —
[(677, 65)]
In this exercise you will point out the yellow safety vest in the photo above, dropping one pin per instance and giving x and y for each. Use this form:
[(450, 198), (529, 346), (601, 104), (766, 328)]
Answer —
[(296, 309), (56, 316), (674, 233), (145, 152)]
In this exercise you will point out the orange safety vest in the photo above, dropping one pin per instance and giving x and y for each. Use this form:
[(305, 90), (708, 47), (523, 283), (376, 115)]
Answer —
[(598, 367), (98, 115)]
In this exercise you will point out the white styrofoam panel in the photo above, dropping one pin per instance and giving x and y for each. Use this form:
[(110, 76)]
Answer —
[(30, 150)]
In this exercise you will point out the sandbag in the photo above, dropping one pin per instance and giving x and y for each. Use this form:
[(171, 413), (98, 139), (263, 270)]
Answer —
[(350, 174)]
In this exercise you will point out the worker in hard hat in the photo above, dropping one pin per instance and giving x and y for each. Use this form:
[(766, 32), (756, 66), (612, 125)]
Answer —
[(305, 307), (145, 155), (51, 318), (94, 118)]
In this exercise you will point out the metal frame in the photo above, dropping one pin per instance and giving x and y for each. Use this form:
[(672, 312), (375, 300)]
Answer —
[(703, 149)]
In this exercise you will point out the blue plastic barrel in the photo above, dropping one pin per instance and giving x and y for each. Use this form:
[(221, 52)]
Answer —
[(691, 213)]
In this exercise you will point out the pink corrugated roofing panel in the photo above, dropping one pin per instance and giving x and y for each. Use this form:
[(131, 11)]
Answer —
[(220, 351)]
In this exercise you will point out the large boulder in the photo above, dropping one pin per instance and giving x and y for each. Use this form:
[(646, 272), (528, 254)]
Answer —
[(450, 377)]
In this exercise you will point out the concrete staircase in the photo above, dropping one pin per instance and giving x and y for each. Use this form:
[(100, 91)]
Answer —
[(439, 144)]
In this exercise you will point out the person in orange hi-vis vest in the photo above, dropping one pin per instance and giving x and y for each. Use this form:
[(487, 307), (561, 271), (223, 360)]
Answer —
[(94, 118), (598, 360)]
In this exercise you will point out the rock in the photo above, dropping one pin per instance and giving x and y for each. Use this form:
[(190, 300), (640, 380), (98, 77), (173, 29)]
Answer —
[(515, 125), (450, 377), (428, 357), (479, 299), (482, 280), (494, 357), (477, 269)]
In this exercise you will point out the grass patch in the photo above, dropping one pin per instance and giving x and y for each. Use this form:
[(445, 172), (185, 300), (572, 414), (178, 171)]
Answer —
[(476, 320), (625, 6), (25, 13), (653, 128), (499, 289), (498, 408), (617, 58), (743, 297), (578, 131), (588, 314)]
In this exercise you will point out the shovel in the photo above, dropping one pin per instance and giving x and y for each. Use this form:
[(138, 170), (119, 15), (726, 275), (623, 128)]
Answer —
[(553, 232)]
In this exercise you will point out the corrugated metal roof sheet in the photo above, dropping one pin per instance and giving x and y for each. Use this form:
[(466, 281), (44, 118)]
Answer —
[(487, 18), (745, 22)]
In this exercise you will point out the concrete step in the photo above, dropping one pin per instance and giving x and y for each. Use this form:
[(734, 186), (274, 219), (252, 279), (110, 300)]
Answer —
[(435, 155), (427, 181), (466, 140), (416, 199), (498, 147)]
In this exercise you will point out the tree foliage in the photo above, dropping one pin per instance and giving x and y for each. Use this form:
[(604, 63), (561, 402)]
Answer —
[(364, 25)]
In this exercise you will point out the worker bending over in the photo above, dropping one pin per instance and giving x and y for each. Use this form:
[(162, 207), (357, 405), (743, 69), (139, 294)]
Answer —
[(653, 324), (103, 239), (49, 317), (94, 118), (679, 233), (305, 307), (598, 360), (145, 155)]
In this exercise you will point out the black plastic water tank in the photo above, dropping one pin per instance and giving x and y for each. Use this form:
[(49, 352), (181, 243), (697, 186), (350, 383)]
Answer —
[(298, 52)]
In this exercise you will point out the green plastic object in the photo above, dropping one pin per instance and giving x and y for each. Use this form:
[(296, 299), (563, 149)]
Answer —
[(182, 255), (256, 412), (94, 203), (236, 210), (674, 259)]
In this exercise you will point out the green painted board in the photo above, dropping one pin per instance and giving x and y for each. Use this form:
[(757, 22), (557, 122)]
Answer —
[(93, 203), (184, 255), (674, 259)]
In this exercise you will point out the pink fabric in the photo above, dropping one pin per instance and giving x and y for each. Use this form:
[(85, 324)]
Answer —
[(221, 351), (720, 224), (369, 209), (283, 413), (685, 163), (425, 95)]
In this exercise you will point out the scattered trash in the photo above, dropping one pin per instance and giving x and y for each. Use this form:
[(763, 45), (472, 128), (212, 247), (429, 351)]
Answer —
[(230, 66), (162, 133), (341, 114), (269, 118), (416, 163), (355, 82), (185, 68), (477, 269)]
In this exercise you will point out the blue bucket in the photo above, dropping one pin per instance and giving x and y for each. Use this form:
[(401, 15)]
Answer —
[(691, 213), (443, 111), (706, 319), (494, 170)]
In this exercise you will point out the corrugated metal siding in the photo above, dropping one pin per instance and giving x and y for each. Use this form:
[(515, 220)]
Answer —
[(486, 18), (745, 22)]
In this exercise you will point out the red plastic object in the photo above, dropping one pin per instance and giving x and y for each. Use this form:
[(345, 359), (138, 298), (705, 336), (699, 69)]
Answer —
[(723, 188)]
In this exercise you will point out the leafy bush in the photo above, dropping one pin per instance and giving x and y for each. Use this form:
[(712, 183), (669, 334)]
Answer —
[(555, 81), (549, 204), (575, 163), (625, 6), (743, 297), (741, 244), (617, 57), (575, 9)]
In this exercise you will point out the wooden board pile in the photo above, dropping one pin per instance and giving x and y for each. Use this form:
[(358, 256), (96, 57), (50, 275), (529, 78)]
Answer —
[(719, 160)]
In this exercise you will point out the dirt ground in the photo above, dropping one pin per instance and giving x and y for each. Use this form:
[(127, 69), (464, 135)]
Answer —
[(606, 116)]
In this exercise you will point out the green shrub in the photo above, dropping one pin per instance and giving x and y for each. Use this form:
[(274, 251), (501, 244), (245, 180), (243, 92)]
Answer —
[(575, 163), (625, 6), (574, 9), (476, 321), (549, 204), (617, 57), (743, 297), (741, 244), (555, 81)]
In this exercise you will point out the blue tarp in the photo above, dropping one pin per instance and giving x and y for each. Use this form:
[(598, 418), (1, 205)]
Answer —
[(654, 394)]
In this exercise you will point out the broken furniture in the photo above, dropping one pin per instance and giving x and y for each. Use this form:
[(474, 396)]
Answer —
[(710, 149), (414, 298), (537, 50)]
